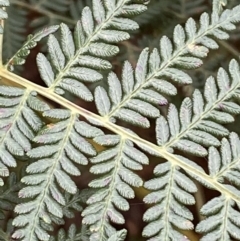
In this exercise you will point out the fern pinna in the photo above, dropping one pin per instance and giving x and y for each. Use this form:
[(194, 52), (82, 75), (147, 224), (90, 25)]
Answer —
[(44, 149)]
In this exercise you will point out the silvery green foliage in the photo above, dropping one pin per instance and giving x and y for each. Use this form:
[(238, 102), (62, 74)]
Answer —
[(19, 123), (83, 235), (135, 98), (118, 236), (62, 146), (222, 222), (16, 49), (116, 165), (75, 60), (225, 165), (200, 120), (218, 5), (171, 191), (197, 126), (17, 25), (55, 150)]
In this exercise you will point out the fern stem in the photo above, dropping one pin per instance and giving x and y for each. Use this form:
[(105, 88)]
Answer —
[(168, 202), (211, 182), (111, 189), (225, 222), (168, 63)]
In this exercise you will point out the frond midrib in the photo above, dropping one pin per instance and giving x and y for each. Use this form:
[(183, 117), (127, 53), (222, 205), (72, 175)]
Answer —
[(165, 66), (227, 204), (111, 189), (168, 201), (50, 176), (118, 130)]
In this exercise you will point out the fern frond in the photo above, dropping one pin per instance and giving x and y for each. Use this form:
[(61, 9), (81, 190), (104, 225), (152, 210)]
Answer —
[(18, 124), (135, 98), (20, 56), (116, 165), (49, 226), (200, 120), (76, 58), (221, 221), (136, 109), (223, 166), (118, 236), (218, 5), (176, 133), (46, 14), (172, 190), (62, 144)]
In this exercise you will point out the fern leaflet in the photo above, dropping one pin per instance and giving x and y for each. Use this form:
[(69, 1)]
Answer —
[(75, 60), (133, 100), (62, 145), (114, 187)]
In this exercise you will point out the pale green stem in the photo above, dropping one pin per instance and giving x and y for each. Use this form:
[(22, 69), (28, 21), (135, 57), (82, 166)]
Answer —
[(211, 181)]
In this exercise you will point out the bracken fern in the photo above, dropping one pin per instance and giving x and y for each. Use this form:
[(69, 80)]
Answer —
[(49, 148)]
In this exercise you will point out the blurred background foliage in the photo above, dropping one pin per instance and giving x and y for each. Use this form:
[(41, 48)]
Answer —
[(28, 16)]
